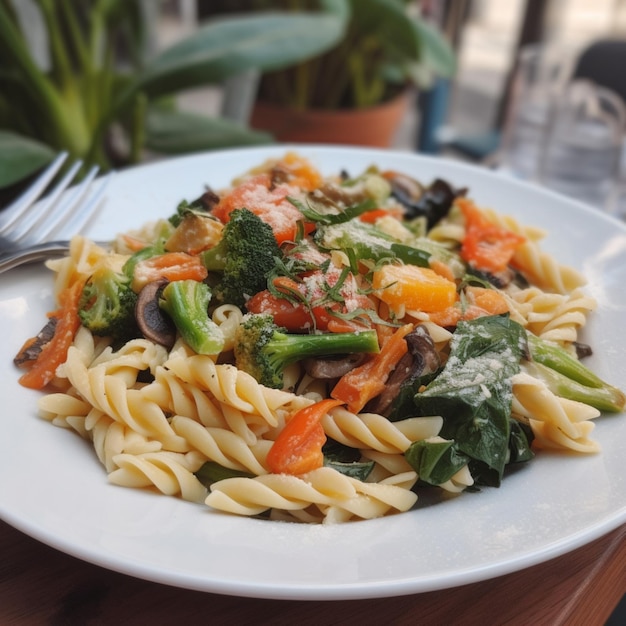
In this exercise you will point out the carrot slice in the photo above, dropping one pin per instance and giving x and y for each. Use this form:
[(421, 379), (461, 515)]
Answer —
[(54, 352), (489, 300), (298, 447), (359, 386), (171, 265), (371, 216)]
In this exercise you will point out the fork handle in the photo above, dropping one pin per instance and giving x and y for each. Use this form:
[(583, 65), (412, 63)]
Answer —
[(31, 254)]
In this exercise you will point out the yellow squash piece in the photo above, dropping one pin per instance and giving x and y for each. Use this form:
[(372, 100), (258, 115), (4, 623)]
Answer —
[(417, 288)]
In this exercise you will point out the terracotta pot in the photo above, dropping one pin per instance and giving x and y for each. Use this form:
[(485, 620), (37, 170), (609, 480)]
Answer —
[(374, 126)]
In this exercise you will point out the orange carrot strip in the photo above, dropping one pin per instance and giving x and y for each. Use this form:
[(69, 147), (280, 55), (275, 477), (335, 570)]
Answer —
[(490, 300), (369, 217), (133, 243), (365, 382), (298, 447), (171, 265), (441, 268), (54, 352)]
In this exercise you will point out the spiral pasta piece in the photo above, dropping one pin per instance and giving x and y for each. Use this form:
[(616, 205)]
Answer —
[(326, 488), (369, 430), (227, 317), (234, 387), (549, 437), (170, 473), (533, 401), (222, 445), (551, 316), (175, 396), (109, 393)]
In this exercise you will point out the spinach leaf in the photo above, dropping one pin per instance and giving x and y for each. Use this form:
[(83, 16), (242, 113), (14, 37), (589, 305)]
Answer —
[(212, 472), (473, 393), (435, 461), (346, 460)]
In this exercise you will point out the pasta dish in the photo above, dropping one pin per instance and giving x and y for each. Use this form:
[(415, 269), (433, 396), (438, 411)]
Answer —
[(318, 348)]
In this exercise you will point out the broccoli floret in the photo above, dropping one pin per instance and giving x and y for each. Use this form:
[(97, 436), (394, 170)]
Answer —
[(243, 258), (107, 304), (263, 350), (187, 302)]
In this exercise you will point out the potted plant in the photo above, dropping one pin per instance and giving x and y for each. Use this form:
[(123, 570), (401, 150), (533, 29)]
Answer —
[(356, 92), (106, 108)]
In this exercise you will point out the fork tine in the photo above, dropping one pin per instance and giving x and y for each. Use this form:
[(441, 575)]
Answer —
[(62, 210), (11, 213), (79, 218), (43, 210)]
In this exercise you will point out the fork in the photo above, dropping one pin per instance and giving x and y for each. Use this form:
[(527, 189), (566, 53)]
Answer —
[(27, 226)]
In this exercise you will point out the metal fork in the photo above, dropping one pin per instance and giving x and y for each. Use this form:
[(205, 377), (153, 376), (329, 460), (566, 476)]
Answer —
[(31, 230)]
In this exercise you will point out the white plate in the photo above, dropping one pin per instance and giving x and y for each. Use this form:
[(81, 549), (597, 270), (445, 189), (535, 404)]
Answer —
[(54, 489)]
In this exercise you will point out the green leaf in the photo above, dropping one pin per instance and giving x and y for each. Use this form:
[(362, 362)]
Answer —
[(212, 472), (435, 51), (172, 132), (20, 157), (474, 391), (228, 46), (435, 462), (389, 23), (312, 214)]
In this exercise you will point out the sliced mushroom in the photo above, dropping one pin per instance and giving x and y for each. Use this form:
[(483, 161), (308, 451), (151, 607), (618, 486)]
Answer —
[(432, 202), (32, 348), (332, 368), (422, 358), (153, 323), (207, 200)]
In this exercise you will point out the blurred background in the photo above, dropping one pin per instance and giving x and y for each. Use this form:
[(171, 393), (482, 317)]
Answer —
[(486, 35), (125, 81)]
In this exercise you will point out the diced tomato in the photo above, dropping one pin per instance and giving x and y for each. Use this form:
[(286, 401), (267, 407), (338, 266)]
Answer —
[(486, 246), (293, 317), (315, 309), (270, 204)]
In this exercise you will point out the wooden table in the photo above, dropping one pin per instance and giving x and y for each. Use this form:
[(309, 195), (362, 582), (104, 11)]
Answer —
[(40, 585)]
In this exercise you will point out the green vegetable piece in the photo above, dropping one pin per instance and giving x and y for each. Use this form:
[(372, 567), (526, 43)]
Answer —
[(107, 305), (568, 377), (410, 255), (243, 258), (346, 460), (212, 472), (519, 442), (474, 391), (435, 462), (364, 240), (605, 398), (263, 350), (335, 216), (186, 302)]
